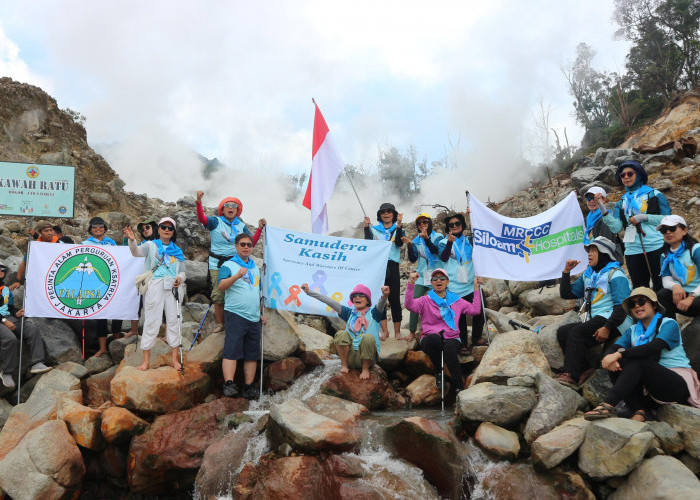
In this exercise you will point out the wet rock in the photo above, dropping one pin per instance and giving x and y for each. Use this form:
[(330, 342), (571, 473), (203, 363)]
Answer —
[(118, 425), (281, 335), (162, 390), (417, 363), (393, 352), (83, 423), (117, 347), (556, 404), (521, 481), (97, 365), (548, 339), (423, 392), (311, 359), (544, 301), (208, 353), (498, 404), (657, 478), (686, 420), (45, 464), (511, 354), (498, 441), (75, 369), (97, 387), (424, 443), (60, 341), (281, 374), (295, 423), (376, 393), (59, 380), (613, 447), (345, 412), (165, 459), (597, 387), (112, 464), (313, 338), (670, 440), (552, 448)]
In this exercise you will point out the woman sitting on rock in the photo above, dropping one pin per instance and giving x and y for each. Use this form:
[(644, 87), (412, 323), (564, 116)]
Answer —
[(439, 312), (168, 264), (648, 358), (603, 286), (680, 262), (358, 345)]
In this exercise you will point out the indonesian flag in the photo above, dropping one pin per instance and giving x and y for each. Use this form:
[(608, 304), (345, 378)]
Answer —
[(326, 165)]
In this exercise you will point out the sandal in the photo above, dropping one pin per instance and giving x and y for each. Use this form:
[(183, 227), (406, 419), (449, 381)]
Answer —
[(639, 413), (603, 410), (464, 351)]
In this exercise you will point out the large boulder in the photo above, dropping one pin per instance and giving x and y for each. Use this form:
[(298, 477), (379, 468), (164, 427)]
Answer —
[(669, 438), (393, 352), (83, 423), (45, 464), (165, 459), (99, 364), (614, 447), (498, 404), (417, 363), (545, 301), (281, 374), (197, 272), (61, 342), (499, 320), (659, 478), (423, 391), (511, 354), (162, 390), (281, 335), (97, 387), (548, 339), (552, 448), (597, 387), (556, 404), (376, 393), (498, 441), (160, 354), (117, 347), (522, 481), (208, 353), (686, 420), (75, 369), (294, 422), (314, 339), (58, 380), (118, 425), (345, 412), (424, 443)]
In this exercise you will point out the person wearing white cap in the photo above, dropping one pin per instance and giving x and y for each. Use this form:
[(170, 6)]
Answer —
[(167, 261), (603, 286), (594, 220), (680, 262)]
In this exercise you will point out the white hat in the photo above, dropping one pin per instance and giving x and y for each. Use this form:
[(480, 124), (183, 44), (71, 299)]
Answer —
[(168, 219), (672, 220), (597, 190), (604, 245)]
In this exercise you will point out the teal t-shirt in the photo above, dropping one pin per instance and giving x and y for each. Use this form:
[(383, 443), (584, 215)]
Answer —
[(243, 298)]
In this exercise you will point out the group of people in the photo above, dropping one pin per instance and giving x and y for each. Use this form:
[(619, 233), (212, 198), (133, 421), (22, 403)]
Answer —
[(634, 319)]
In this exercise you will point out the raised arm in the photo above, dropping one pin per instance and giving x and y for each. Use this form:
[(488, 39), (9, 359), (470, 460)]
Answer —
[(336, 306)]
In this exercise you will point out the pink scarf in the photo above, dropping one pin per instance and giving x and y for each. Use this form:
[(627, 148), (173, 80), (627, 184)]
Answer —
[(361, 321)]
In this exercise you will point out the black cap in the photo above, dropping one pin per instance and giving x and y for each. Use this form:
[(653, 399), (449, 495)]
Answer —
[(96, 221), (387, 206)]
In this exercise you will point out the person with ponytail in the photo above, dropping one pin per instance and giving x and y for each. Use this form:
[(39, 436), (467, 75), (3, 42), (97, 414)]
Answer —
[(638, 212), (648, 364), (424, 250), (603, 286), (680, 262), (167, 261)]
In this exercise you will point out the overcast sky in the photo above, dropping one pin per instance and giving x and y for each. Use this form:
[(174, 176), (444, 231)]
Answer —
[(234, 80)]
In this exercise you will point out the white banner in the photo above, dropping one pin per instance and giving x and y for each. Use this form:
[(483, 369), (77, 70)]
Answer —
[(82, 282), (330, 265), (530, 248)]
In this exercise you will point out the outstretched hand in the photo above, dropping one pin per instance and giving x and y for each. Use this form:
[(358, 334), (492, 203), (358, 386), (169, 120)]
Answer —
[(385, 291), (129, 233), (305, 287)]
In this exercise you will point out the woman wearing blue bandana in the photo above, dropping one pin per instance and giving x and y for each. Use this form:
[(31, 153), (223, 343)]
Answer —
[(638, 212), (648, 359), (603, 286), (389, 229), (680, 262), (424, 250), (168, 262)]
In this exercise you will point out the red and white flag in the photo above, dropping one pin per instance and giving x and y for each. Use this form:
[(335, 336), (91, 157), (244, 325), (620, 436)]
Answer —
[(326, 166)]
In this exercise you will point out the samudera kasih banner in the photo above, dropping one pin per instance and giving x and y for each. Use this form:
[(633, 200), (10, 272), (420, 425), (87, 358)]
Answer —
[(82, 282), (530, 248), (330, 265)]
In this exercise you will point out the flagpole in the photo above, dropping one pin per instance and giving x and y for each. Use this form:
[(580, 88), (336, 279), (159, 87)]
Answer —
[(355, 191)]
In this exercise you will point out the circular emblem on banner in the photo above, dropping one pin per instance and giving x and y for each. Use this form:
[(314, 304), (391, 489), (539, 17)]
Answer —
[(62, 209), (33, 172), (82, 281)]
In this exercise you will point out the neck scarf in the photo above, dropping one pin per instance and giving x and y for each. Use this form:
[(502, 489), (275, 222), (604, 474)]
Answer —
[(104, 241), (230, 237), (387, 231), (642, 336), (591, 219), (250, 265), (462, 249), (356, 326), (678, 269), (446, 312), (171, 250), (423, 248), (595, 276), (632, 201)]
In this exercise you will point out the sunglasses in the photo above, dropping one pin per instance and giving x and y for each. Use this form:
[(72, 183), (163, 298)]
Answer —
[(245, 244), (454, 224), (439, 278), (230, 204), (669, 229), (421, 222), (92, 226), (589, 197), (386, 211), (166, 227), (627, 174), (639, 301)]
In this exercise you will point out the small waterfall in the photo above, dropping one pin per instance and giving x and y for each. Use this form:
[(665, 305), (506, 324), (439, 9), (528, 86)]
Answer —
[(481, 465)]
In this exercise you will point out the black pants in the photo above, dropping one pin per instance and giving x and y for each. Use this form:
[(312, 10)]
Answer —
[(637, 374), (639, 272), (575, 339), (665, 297), (432, 345), (393, 281), (477, 325)]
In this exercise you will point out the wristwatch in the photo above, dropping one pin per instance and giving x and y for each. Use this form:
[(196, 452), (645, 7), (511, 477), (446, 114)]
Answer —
[(621, 350), (4, 320)]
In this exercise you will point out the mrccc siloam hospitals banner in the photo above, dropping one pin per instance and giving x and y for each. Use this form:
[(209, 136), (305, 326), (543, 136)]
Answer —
[(330, 265), (36, 190), (530, 248), (82, 282)]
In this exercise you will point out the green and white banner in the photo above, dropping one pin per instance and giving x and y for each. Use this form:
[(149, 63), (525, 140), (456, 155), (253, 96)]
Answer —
[(34, 190)]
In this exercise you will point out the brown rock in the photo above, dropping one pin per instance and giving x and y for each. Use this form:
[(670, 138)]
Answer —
[(417, 363), (97, 387), (423, 391), (281, 374), (551, 448), (207, 354), (341, 410), (497, 440), (160, 355), (311, 359), (374, 394), (522, 482), (119, 424), (478, 352), (166, 457), (83, 423)]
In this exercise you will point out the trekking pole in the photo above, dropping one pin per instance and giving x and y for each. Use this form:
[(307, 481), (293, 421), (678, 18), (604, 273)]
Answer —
[(200, 327), (262, 310), (521, 326), (442, 369), (641, 234), (179, 326)]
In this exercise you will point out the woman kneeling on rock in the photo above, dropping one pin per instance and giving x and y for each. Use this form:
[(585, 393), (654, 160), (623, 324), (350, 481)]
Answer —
[(648, 359), (439, 312), (357, 349), (167, 261)]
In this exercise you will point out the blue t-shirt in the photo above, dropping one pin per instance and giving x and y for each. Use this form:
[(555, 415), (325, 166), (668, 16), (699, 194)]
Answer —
[(243, 297), (691, 260), (395, 252), (669, 332), (459, 266)]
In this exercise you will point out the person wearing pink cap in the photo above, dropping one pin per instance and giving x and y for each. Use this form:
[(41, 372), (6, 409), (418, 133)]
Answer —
[(439, 312), (359, 344), (223, 230), (594, 219), (167, 261)]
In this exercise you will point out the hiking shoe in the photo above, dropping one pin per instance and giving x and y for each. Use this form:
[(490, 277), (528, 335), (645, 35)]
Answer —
[(219, 328), (251, 391), (7, 380), (585, 376), (39, 368), (567, 380), (230, 389)]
